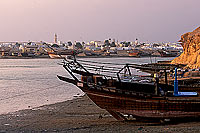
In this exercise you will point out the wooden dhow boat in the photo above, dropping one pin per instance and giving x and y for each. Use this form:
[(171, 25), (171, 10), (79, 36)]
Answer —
[(114, 88)]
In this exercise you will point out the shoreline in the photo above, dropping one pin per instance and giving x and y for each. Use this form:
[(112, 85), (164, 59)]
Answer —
[(22, 57), (47, 57), (80, 115)]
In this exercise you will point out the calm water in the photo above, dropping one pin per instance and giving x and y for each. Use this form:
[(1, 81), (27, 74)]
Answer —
[(28, 83)]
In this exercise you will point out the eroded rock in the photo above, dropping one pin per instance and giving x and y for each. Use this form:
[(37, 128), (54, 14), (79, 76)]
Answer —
[(191, 46)]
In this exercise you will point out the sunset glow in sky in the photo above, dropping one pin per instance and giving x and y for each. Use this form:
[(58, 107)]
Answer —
[(84, 20)]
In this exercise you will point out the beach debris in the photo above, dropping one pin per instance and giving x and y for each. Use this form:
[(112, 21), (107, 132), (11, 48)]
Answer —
[(6, 124), (45, 130), (100, 116), (140, 128)]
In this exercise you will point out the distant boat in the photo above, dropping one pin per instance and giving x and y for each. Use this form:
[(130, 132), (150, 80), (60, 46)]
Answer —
[(60, 54), (169, 53), (134, 53), (93, 52)]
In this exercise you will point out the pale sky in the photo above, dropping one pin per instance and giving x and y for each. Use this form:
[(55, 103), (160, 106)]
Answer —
[(85, 20)]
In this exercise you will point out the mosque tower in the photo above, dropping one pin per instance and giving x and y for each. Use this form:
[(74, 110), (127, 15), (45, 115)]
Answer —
[(136, 42), (55, 38)]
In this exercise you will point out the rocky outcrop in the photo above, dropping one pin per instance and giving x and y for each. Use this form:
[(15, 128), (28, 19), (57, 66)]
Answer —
[(191, 46)]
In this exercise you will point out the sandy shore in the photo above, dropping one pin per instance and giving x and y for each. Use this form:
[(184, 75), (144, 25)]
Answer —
[(81, 115)]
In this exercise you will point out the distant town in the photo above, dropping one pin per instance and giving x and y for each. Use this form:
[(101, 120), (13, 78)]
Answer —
[(105, 48)]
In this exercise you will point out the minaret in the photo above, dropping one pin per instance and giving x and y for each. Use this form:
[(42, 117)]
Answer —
[(136, 42), (55, 39)]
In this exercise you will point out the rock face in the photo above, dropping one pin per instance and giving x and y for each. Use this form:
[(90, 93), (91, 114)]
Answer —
[(191, 46)]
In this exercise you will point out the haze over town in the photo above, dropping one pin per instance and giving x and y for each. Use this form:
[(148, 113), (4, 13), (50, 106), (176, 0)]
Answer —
[(85, 20)]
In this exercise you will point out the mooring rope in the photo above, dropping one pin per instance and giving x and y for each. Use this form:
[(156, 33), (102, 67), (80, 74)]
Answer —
[(104, 62), (118, 68), (103, 69)]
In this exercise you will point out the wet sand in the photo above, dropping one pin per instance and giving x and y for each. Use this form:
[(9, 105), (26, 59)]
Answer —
[(81, 115)]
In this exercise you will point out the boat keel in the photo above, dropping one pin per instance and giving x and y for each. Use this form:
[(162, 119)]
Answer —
[(117, 115)]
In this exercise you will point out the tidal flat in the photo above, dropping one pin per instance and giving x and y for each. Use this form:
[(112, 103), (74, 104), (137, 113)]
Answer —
[(82, 115)]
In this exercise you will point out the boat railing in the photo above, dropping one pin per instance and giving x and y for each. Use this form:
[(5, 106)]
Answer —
[(118, 70), (114, 70)]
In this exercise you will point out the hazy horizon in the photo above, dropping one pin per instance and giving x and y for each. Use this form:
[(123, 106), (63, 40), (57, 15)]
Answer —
[(85, 20)]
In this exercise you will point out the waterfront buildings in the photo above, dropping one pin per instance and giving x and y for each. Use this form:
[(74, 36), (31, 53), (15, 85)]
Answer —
[(103, 48)]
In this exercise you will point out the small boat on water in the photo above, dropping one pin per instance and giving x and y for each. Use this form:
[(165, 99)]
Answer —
[(118, 90), (169, 53), (134, 53), (60, 54)]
